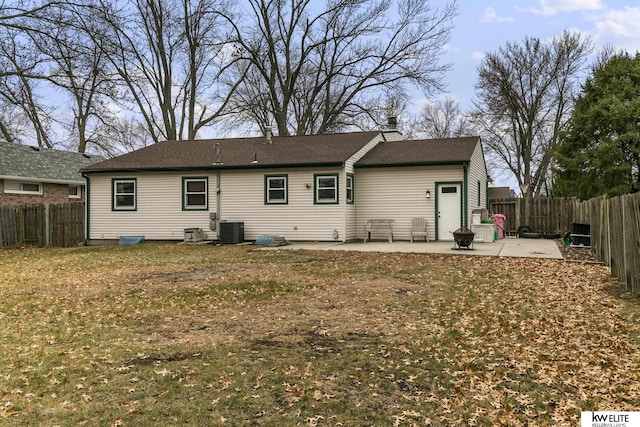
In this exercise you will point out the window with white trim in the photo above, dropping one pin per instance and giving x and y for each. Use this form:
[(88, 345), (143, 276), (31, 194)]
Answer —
[(75, 192), (19, 187), (350, 197), (124, 194), (275, 189), (195, 193), (326, 189)]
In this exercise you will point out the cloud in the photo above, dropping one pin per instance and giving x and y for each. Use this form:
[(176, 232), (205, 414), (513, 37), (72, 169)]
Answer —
[(491, 17), (477, 56), (620, 24), (554, 7)]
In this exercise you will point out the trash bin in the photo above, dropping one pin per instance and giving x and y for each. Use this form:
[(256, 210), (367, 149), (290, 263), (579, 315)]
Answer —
[(500, 221)]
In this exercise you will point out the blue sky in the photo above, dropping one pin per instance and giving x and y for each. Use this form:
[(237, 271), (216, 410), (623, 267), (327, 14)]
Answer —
[(486, 25)]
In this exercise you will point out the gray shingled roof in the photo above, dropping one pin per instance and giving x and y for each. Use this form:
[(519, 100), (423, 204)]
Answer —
[(288, 151), (420, 152), (42, 164)]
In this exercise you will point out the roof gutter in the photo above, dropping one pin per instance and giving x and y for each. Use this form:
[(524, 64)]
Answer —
[(391, 165), (218, 167)]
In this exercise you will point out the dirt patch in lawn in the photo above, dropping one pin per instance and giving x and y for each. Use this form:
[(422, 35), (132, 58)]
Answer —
[(286, 305)]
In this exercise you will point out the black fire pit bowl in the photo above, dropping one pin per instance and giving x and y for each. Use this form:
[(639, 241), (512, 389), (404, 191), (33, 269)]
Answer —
[(463, 238)]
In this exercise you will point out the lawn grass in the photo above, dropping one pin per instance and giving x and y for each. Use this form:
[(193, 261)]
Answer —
[(186, 335)]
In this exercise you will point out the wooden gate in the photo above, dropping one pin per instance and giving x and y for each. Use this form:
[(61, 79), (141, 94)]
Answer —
[(31, 225), (66, 224)]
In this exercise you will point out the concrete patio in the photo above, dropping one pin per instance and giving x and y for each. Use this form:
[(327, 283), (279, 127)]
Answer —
[(507, 247)]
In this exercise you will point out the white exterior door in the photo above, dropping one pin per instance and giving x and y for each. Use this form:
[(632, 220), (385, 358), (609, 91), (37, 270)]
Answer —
[(449, 213)]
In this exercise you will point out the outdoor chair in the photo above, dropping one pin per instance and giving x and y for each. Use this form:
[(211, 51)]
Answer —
[(419, 228)]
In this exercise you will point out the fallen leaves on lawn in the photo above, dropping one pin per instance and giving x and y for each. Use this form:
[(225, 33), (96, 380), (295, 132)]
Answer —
[(315, 338)]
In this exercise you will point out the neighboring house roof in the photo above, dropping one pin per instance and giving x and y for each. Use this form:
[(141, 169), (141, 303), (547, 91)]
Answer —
[(499, 193), (287, 151), (420, 152), (28, 163)]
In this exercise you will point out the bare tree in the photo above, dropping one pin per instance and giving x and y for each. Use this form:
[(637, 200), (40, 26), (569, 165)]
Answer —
[(19, 64), (442, 118), (76, 68), (315, 70), (122, 135), (173, 59), (38, 48), (18, 86), (524, 97), (13, 123)]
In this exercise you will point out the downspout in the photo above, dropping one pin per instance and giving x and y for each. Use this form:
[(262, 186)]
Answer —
[(86, 208), (218, 188), (486, 193), (218, 202), (465, 194)]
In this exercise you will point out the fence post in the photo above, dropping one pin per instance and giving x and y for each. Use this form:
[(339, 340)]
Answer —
[(47, 226), (624, 244)]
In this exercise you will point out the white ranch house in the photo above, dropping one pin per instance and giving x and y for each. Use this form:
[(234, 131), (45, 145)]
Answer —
[(304, 188)]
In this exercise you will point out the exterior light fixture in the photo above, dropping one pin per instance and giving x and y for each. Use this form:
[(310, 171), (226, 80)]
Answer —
[(428, 194)]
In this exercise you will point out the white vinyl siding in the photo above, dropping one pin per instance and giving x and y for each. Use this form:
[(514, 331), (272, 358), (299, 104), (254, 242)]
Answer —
[(350, 224), (400, 194), (242, 198), (477, 178), (159, 214)]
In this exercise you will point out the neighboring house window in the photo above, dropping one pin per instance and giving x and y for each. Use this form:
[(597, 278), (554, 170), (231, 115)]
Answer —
[(275, 189), (479, 204), (350, 197), (74, 192), (18, 187), (326, 189), (195, 193), (124, 194)]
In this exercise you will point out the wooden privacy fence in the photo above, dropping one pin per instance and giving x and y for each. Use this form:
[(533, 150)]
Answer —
[(541, 214), (615, 234), (60, 225)]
